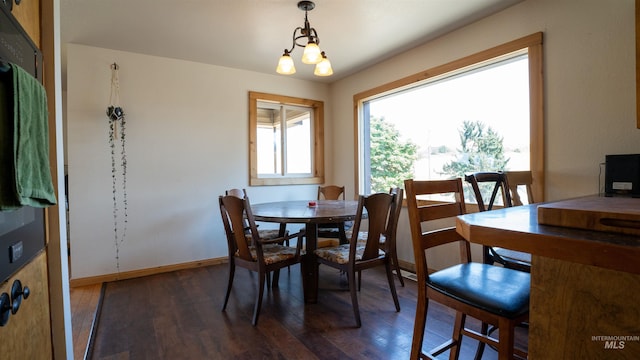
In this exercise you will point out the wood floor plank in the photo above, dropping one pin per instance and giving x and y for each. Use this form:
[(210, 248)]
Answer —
[(84, 301), (178, 316)]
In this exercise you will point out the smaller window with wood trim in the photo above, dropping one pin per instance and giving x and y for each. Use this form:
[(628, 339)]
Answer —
[(286, 140)]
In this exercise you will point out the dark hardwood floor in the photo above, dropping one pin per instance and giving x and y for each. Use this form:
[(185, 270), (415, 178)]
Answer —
[(84, 303), (178, 316)]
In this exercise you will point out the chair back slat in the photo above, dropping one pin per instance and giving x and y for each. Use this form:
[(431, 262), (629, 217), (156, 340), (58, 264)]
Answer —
[(394, 217), (331, 192), (440, 210), (378, 208), (239, 193), (440, 237), (234, 212), (228, 231), (516, 179), (500, 184)]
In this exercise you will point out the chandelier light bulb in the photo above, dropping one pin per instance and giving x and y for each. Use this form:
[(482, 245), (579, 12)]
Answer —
[(285, 65), (323, 68), (311, 54)]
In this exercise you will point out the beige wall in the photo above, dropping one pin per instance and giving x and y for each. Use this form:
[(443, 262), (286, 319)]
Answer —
[(188, 127), (186, 140), (589, 74)]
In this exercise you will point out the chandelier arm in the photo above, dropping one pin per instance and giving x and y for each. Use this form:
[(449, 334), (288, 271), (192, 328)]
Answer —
[(313, 35), (307, 31), (307, 26), (296, 38)]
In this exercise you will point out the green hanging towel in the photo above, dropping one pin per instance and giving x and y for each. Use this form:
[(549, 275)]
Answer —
[(26, 147)]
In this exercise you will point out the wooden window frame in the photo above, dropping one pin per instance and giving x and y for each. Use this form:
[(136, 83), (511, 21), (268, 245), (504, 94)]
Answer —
[(533, 44), (317, 171)]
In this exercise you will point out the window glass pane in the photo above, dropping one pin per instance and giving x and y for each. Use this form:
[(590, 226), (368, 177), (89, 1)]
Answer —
[(269, 140), (297, 136), (298, 141), (476, 120)]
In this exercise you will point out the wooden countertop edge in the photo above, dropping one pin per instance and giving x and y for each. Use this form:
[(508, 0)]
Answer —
[(604, 255)]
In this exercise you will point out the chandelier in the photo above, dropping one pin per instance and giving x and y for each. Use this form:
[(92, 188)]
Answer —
[(311, 54)]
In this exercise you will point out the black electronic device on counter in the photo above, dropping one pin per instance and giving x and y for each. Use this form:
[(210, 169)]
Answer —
[(622, 175), (22, 231)]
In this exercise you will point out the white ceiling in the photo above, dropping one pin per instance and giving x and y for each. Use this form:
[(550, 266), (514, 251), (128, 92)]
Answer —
[(252, 34)]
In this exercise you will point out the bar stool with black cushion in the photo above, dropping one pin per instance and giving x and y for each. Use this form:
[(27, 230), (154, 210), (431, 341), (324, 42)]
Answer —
[(332, 230), (361, 255), (387, 240), (256, 254), (491, 294), (486, 187)]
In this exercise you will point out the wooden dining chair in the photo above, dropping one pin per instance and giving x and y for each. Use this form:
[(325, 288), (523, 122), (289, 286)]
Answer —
[(491, 294), (263, 233), (255, 253), (388, 239), (496, 183), (358, 256), (332, 230)]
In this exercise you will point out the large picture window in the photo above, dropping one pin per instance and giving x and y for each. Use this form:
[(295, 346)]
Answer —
[(480, 113)]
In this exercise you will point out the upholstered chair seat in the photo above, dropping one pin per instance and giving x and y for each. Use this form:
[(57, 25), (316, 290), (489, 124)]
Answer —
[(267, 234), (362, 236), (340, 254), (273, 253)]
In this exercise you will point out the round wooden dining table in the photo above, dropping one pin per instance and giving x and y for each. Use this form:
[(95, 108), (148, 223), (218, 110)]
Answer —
[(303, 212)]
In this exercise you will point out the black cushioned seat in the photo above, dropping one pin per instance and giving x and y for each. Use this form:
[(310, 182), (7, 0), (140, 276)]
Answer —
[(501, 291)]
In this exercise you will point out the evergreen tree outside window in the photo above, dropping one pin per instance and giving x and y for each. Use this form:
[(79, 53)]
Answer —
[(476, 119)]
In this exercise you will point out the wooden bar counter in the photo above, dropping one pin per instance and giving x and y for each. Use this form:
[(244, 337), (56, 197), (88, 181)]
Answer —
[(585, 284)]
